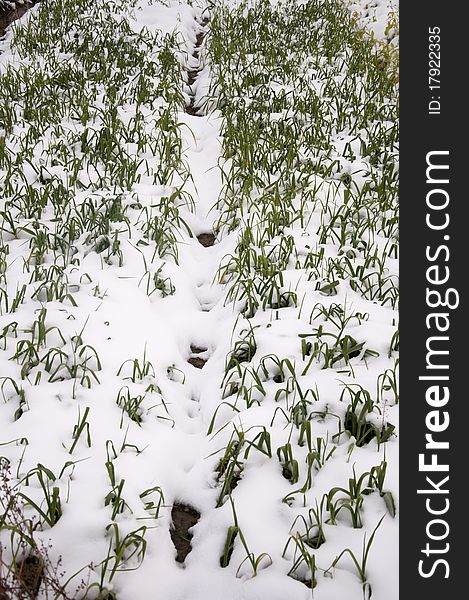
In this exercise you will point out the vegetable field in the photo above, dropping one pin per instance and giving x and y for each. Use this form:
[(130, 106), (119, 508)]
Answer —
[(199, 300)]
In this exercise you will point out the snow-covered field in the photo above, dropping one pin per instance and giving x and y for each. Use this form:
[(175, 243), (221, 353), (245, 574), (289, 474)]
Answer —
[(198, 301), (380, 17)]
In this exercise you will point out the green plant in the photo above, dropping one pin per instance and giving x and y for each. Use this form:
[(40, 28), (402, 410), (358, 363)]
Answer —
[(234, 531), (52, 510), (360, 562)]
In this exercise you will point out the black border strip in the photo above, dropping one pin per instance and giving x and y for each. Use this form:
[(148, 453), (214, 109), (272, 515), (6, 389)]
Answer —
[(431, 253)]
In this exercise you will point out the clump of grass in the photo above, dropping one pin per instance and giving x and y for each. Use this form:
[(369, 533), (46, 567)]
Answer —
[(234, 532), (25, 564)]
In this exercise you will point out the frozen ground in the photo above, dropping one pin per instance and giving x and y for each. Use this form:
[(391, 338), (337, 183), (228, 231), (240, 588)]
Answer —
[(249, 374)]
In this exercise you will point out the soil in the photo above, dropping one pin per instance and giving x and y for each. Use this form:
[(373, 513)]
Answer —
[(197, 350), (184, 517), (30, 573), (12, 13), (197, 362), (190, 110), (206, 239), (192, 76)]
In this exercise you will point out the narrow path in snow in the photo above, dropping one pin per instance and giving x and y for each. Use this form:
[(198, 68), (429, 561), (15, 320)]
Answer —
[(195, 68), (199, 260)]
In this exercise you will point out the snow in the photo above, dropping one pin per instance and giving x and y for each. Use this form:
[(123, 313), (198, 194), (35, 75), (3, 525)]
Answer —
[(115, 312), (375, 16)]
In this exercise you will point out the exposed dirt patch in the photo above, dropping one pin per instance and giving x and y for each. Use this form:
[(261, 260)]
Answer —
[(191, 110), (184, 517), (197, 350), (197, 362), (30, 572), (13, 13), (193, 74), (199, 39), (23, 583), (206, 239)]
